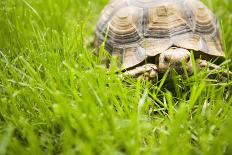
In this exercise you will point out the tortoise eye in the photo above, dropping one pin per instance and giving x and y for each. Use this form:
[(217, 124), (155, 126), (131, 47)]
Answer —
[(188, 59), (167, 59)]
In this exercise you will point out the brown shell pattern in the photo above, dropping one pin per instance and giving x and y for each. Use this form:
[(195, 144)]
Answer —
[(137, 29)]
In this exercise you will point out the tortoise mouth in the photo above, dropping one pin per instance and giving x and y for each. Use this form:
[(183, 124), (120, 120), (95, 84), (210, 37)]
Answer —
[(171, 71)]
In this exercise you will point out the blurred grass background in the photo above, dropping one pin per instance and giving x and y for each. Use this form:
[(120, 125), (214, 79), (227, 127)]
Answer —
[(56, 100)]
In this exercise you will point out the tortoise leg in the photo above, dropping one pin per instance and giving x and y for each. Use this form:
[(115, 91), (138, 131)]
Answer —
[(204, 63), (146, 71)]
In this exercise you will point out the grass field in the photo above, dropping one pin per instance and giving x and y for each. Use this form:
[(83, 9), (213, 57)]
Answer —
[(55, 99)]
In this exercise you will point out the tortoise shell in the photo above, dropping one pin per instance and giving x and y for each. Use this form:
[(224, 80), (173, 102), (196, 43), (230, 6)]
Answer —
[(138, 29)]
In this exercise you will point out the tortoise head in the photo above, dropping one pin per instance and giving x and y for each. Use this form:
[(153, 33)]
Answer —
[(177, 59)]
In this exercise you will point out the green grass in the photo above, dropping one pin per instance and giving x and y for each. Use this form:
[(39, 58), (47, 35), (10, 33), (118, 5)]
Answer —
[(55, 99)]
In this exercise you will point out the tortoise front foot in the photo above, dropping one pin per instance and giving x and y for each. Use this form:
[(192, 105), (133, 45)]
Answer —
[(148, 71), (225, 74)]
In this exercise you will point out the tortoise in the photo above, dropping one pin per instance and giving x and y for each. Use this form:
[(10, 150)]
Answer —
[(151, 36)]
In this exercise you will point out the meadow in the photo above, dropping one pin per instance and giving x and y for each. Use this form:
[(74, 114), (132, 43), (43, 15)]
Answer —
[(56, 99)]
